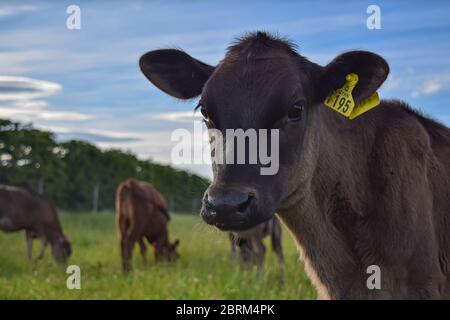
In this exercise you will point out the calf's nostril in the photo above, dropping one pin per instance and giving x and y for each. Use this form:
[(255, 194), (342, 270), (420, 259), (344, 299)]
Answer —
[(211, 214), (208, 215)]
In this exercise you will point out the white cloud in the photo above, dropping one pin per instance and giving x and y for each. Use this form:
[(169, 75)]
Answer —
[(158, 146), (179, 116), (23, 88), (11, 10), (415, 84), (24, 93), (26, 60), (97, 136), (57, 129), (37, 110), (64, 116), (432, 87), (30, 104)]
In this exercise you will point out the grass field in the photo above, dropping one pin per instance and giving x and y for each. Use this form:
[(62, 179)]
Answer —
[(205, 270)]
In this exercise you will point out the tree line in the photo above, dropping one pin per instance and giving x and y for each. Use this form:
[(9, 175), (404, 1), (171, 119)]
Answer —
[(78, 176)]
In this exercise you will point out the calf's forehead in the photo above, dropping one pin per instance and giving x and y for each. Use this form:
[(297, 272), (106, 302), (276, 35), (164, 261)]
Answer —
[(253, 86), (251, 75)]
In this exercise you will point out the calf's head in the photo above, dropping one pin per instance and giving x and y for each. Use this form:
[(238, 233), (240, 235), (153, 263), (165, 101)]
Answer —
[(167, 252), (262, 83), (61, 249)]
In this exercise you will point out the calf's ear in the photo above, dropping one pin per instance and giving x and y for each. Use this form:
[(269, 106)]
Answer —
[(372, 71), (175, 72)]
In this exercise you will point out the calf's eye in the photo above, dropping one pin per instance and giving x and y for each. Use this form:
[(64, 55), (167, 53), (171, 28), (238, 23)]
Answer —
[(295, 112), (204, 113), (202, 110)]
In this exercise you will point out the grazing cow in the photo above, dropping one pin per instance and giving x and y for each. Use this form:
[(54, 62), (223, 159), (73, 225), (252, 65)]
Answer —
[(141, 212), (248, 244), (374, 190), (23, 210)]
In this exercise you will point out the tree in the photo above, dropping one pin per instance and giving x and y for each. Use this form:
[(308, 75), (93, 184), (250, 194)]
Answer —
[(78, 176)]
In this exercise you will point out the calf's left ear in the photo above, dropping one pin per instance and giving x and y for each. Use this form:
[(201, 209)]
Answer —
[(372, 71)]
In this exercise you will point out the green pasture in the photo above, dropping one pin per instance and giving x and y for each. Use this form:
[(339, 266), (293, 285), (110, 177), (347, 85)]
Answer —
[(205, 270)]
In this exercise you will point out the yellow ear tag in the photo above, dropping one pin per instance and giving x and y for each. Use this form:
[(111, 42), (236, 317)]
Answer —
[(365, 105), (341, 100)]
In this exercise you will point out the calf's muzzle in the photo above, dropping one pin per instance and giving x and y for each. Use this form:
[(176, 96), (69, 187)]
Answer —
[(228, 208)]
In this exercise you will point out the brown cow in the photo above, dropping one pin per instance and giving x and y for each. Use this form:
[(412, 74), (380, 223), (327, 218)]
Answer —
[(141, 212), (354, 193), (23, 210)]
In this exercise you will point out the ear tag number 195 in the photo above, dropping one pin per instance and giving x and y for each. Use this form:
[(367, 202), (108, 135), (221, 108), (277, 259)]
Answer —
[(341, 100)]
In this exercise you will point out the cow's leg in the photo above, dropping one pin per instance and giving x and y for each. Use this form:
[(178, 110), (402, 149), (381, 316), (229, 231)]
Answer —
[(143, 248), (233, 242), (258, 251), (276, 243), (29, 240), (126, 249), (244, 250), (44, 245), (276, 246), (157, 250), (125, 241)]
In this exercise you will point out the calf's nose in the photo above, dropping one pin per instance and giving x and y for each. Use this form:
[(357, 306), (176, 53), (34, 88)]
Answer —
[(226, 206)]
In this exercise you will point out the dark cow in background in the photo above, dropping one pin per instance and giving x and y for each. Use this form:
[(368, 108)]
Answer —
[(23, 210), (374, 190), (141, 213), (248, 245)]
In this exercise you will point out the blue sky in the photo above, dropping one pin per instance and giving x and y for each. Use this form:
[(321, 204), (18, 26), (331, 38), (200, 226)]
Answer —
[(86, 83)]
